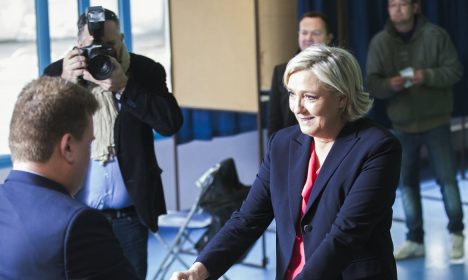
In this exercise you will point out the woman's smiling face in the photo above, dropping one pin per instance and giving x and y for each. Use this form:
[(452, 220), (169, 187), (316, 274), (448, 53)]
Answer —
[(318, 110)]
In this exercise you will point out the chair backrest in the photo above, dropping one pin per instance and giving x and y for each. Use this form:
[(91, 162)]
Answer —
[(226, 193), (222, 197)]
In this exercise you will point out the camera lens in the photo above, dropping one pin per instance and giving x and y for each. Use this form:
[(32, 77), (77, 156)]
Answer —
[(100, 66)]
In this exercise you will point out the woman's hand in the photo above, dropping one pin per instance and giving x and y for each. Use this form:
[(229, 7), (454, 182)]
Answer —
[(197, 272)]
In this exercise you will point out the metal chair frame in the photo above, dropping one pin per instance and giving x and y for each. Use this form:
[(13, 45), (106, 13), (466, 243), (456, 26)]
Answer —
[(185, 226)]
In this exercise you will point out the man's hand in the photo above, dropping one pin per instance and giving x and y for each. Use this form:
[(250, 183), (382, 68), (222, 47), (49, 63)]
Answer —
[(74, 65), (397, 82), (197, 272), (115, 83), (418, 77)]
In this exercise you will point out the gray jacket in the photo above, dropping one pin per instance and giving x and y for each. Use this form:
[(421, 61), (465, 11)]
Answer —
[(418, 108)]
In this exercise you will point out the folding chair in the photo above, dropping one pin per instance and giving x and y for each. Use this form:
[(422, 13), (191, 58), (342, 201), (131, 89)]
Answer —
[(186, 222), (226, 196)]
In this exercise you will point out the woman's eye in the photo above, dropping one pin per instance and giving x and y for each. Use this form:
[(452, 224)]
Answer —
[(291, 94), (310, 97)]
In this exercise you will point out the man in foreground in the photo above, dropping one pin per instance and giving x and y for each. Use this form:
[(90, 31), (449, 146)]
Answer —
[(45, 232)]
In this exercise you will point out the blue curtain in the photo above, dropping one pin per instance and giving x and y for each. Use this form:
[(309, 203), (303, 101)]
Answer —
[(202, 124), (367, 17)]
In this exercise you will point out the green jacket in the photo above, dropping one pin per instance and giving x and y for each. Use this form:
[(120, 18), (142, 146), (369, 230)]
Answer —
[(418, 108)]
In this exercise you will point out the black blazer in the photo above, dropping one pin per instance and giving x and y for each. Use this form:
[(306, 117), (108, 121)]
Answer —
[(46, 234), (146, 104), (279, 114), (346, 225)]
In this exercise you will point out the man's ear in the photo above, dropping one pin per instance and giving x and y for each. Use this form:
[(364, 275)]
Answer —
[(66, 147), (416, 7), (329, 38)]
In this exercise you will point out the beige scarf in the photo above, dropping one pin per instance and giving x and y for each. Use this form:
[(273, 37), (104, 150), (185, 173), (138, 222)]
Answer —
[(103, 146)]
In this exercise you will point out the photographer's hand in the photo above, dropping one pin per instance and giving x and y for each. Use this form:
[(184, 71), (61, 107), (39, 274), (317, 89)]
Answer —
[(74, 64), (115, 83)]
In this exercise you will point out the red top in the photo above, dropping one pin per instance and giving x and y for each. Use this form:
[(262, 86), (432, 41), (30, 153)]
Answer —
[(298, 257)]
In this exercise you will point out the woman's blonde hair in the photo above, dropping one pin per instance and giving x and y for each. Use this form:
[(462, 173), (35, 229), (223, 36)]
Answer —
[(338, 71)]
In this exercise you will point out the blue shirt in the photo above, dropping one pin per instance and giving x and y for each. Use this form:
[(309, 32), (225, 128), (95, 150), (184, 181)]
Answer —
[(103, 187)]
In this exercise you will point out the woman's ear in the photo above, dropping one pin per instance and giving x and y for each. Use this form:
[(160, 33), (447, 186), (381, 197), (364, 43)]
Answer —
[(343, 100)]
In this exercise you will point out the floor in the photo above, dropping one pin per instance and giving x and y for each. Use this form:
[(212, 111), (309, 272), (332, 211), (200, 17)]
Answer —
[(435, 266)]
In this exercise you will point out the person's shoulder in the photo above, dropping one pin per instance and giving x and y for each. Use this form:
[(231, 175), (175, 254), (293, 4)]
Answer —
[(381, 37), (35, 191), (431, 30), (376, 135), (141, 64), (69, 207), (370, 129), (141, 59)]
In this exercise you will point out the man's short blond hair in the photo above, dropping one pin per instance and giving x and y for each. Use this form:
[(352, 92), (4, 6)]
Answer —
[(46, 109)]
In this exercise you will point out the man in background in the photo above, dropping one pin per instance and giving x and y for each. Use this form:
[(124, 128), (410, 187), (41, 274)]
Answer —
[(124, 180), (313, 29), (45, 232), (413, 64)]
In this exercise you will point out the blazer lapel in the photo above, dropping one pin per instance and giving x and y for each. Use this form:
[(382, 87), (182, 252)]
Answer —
[(342, 146), (299, 154)]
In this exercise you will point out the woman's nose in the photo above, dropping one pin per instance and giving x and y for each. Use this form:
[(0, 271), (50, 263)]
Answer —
[(295, 104)]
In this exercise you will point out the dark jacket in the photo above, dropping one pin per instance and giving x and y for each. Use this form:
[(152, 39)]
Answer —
[(346, 225), (279, 114), (418, 108), (146, 104), (46, 234)]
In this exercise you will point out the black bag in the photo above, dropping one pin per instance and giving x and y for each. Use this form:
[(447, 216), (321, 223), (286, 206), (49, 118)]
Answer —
[(224, 196)]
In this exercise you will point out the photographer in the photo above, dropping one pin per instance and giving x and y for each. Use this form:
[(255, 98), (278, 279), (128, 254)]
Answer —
[(123, 180)]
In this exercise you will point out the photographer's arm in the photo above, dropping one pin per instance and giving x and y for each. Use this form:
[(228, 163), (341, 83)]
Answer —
[(147, 97)]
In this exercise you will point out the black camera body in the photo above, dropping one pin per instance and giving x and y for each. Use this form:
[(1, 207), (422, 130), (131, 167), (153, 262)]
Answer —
[(99, 63), (97, 54)]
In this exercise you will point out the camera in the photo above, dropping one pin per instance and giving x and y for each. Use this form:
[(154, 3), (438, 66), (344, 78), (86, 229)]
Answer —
[(99, 63), (97, 53)]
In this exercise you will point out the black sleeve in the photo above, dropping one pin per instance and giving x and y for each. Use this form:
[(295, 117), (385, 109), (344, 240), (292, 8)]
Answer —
[(274, 109), (54, 69), (92, 251), (146, 96)]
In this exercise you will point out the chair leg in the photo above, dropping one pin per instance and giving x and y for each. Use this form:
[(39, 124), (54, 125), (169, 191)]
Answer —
[(169, 258)]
